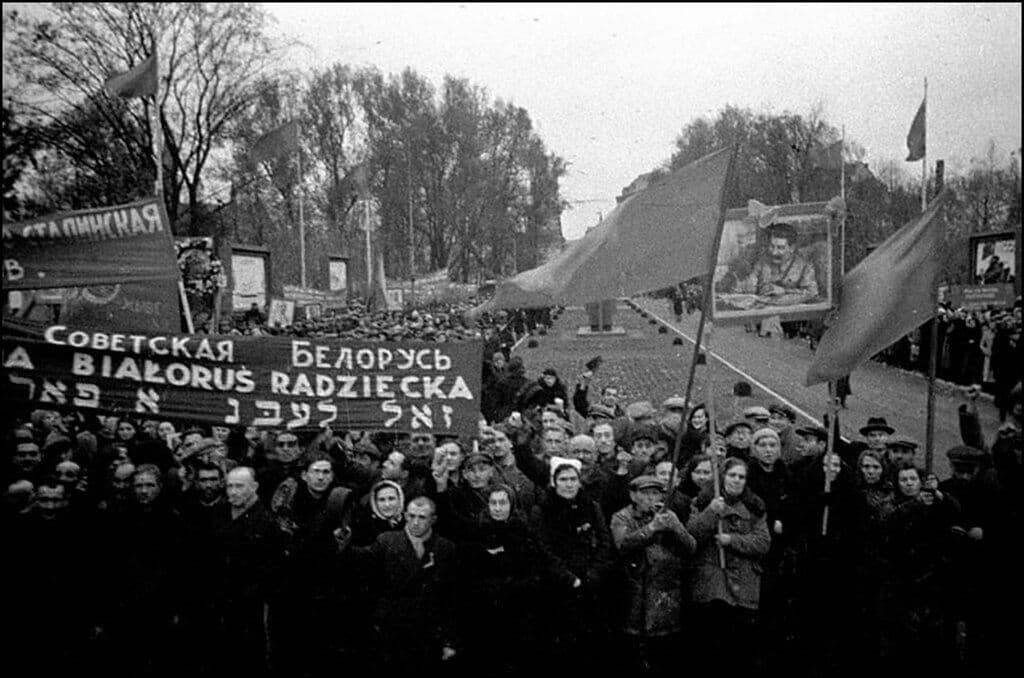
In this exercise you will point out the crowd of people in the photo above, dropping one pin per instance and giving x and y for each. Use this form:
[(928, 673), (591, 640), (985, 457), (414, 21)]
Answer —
[(562, 537)]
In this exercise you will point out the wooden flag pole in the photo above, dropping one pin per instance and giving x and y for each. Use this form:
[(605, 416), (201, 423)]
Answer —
[(933, 349), (833, 426), (711, 440), (302, 221)]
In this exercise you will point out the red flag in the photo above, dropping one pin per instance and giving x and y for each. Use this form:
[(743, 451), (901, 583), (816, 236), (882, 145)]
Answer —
[(283, 140), (916, 135), (884, 297), (656, 237), (140, 81)]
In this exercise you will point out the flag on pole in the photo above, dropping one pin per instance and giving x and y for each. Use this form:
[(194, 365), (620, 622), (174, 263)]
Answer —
[(916, 135), (886, 296), (827, 157), (283, 140), (656, 237), (140, 81)]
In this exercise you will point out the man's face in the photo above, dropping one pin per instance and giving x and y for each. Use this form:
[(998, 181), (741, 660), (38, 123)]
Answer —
[(27, 457), (150, 428), (900, 454), (51, 501), (146, 488), (422, 446), (877, 440), (478, 474), (610, 397), (209, 484), (286, 448), (549, 420), (778, 421), (810, 445), (647, 499), (701, 474), (554, 442), (500, 446), (220, 433), (498, 360), (318, 476), (739, 438), (767, 450), (419, 518), (549, 380), (586, 455), (165, 429), (191, 439), (643, 449), (392, 468), (780, 250), (51, 420), (663, 472), (604, 436), (240, 488)]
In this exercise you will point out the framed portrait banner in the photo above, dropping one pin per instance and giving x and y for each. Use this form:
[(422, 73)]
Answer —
[(778, 261), (995, 259)]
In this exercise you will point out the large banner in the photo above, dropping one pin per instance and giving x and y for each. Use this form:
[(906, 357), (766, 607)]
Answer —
[(260, 381), (778, 264), (115, 265)]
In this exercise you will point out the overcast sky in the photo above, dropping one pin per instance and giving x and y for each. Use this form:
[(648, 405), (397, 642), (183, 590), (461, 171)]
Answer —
[(609, 87)]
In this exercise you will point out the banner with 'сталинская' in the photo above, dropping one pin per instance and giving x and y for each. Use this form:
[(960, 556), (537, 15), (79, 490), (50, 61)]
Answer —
[(260, 381), (115, 266)]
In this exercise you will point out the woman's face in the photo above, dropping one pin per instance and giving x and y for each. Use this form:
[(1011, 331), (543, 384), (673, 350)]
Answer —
[(701, 474), (165, 430), (870, 470), (549, 380), (387, 502), (663, 472), (767, 450), (125, 431), (735, 480), (499, 506), (567, 483), (699, 419), (910, 483)]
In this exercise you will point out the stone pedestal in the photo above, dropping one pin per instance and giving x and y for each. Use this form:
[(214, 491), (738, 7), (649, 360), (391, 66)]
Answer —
[(601, 314)]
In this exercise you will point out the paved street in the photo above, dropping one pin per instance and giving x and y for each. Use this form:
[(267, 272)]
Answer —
[(646, 364)]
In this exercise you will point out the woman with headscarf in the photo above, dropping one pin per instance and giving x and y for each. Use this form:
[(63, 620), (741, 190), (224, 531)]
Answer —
[(573, 530), (383, 510), (729, 596), (503, 569)]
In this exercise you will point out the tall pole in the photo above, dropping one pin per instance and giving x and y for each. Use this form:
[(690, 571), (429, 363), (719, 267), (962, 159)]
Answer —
[(933, 349), (369, 259), (924, 159), (842, 196), (158, 187), (302, 222), (412, 249)]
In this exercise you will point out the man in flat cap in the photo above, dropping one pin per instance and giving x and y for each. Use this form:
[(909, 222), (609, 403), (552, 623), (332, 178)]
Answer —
[(781, 417)]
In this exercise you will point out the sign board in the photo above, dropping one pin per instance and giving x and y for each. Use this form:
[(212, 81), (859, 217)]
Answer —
[(980, 297), (249, 273), (337, 271), (395, 299), (308, 296), (276, 382), (282, 313)]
